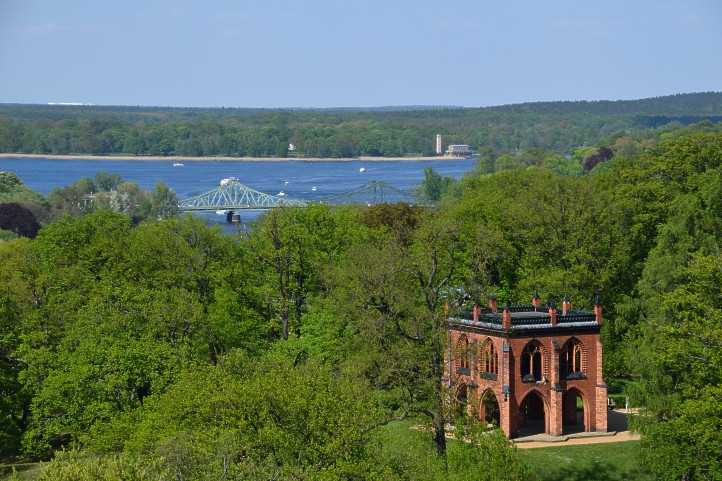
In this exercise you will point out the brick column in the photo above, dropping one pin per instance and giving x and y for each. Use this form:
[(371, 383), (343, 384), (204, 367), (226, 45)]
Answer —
[(600, 392), (506, 401), (492, 304), (555, 393), (506, 318)]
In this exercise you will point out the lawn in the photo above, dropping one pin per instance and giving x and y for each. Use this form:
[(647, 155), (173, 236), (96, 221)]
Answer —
[(25, 471), (594, 462)]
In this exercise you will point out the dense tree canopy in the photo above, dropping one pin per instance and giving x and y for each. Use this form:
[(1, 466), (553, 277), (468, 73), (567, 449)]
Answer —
[(161, 348), (556, 126)]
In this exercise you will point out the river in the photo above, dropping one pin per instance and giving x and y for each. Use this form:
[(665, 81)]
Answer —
[(295, 178)]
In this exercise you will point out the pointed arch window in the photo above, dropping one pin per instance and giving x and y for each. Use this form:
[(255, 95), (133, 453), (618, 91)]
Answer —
[(572, 361), (463, 355), (532, 363), (488, 360)]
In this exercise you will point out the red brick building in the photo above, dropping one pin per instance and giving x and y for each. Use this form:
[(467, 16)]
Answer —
[(529, 369)]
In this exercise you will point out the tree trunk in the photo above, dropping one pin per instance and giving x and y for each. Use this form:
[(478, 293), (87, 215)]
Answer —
[(212, 354), (439, 419), (284, 321), (440, 435)]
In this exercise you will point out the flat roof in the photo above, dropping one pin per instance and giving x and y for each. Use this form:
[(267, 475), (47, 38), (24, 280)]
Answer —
[(525, 318)]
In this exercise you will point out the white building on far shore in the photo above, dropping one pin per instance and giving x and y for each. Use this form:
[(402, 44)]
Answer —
[(458, 150)]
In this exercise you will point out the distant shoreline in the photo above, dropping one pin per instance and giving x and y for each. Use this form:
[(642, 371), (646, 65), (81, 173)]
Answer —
[(222, 158)]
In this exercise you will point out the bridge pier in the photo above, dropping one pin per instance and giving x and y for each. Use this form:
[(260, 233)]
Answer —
[(233, 218)]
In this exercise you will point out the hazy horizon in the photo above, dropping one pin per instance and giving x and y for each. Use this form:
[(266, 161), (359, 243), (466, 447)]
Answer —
[(347, 107), (324, 54)]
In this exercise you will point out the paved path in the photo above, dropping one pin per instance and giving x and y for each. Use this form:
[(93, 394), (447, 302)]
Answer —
[(618, 420), (618, 424), (617, 438)]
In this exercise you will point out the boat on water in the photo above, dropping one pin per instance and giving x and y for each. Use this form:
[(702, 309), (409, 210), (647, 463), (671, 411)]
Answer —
[(362, 169), (178, 164), (313, 189), (221, 212), (228, 180), (281, 194)]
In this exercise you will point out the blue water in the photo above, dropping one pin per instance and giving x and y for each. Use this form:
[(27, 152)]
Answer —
[(295, 178)]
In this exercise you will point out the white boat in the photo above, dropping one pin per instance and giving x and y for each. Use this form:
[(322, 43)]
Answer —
[(281, 194), (313, 189), (228, 180), (362, 169), (221, 212), (178, 164), (285, 182)]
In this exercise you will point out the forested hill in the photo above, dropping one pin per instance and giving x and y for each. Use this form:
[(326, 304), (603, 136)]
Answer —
[(341, 132), (694, 104), (690, 104)]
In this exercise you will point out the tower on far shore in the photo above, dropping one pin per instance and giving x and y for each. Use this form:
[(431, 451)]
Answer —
[(439, 149)]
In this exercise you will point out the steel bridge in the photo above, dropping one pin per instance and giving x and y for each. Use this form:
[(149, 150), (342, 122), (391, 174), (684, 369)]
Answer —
[(233, 195), (374, 192)]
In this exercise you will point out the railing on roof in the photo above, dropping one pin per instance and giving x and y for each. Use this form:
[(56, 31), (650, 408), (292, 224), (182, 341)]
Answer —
[(524, 308), (530, 320), (466, 314), (488, 317), (576, 317), (516, 308)]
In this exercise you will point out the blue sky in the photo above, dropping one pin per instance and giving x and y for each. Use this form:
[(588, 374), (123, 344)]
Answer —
[(272, 53)]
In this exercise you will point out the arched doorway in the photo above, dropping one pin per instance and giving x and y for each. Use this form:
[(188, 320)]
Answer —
[(573, 413), (533, 419), (489, 409)]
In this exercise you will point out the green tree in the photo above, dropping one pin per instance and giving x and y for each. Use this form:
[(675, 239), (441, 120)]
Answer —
[(163, 201), (13, 302), (395, 293), (250, 419), (679, 353), (292, 246), (434, 186), (477, 447), (105, 181)]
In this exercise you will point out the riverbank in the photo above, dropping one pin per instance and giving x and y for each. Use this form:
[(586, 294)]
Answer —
[(221, 158)]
